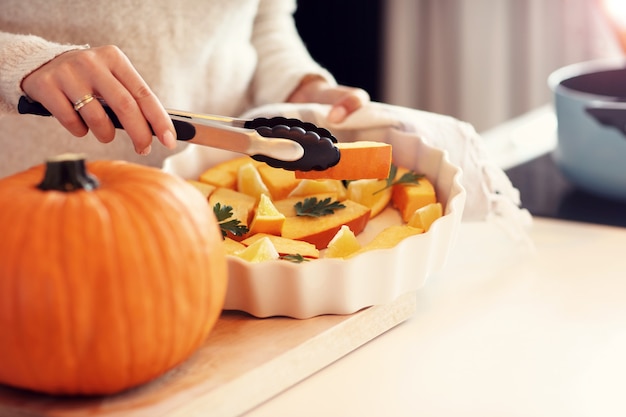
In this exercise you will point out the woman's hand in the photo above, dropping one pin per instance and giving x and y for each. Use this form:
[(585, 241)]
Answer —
[(344, 100), (104, 72)]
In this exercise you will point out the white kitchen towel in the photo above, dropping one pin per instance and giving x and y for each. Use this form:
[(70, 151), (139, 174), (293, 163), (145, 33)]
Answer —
[(490, 194)]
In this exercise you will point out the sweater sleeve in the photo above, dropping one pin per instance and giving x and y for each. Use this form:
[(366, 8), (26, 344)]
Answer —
[(283, 57), (19, 56)]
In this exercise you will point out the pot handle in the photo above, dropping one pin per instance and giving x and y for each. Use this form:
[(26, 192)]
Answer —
[(611, 114)]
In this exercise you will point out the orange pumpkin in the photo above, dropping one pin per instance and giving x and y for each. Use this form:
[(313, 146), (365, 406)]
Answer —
[(105, 282)]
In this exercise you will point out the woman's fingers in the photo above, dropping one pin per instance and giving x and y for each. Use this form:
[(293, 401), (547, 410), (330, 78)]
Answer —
[(66, 84), (58, 104), (345, 101), (135, 100)]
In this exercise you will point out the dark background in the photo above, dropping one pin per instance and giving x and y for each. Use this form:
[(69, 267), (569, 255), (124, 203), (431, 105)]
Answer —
[(345, 36)]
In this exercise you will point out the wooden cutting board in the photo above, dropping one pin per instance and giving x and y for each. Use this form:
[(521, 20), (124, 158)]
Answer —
[(244, 362)]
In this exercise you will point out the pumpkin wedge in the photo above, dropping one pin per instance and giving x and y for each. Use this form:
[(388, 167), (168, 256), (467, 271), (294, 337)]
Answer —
[(286, 246), (359, 160), (320, 230)]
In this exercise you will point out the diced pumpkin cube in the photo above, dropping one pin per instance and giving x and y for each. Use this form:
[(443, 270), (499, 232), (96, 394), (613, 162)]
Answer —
[(424, 217), (409, 197), (225, 173), (204, 188), (267, 219), (280, 182)]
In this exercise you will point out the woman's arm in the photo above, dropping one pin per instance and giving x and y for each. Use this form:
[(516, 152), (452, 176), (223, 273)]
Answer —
[(19, 56), (344, 100), (60, 76), (287, 72)]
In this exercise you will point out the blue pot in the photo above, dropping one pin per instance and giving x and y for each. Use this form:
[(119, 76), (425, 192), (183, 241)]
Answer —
[(590, 106)]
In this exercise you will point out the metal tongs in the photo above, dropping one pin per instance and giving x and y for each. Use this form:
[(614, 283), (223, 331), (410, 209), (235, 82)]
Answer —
[(285, 143)]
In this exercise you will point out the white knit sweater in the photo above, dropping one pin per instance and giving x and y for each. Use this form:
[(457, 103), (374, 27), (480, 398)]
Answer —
[(211, 56)]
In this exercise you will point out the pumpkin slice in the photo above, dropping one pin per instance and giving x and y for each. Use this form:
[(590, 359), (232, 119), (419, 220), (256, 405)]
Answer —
[(320, 230), (225, 173), (242, 205), (260, 251), (389, 237), (312, 187), (286, 206), (359, 160), (286, 246)]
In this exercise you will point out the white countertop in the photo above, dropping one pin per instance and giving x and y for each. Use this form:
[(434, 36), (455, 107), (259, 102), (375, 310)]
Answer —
[(502, 331)]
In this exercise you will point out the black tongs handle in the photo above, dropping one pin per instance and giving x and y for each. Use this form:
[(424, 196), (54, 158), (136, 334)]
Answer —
[(184, 131)]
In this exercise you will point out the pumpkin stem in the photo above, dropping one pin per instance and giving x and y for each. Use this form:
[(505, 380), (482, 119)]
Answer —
[(67, 172)]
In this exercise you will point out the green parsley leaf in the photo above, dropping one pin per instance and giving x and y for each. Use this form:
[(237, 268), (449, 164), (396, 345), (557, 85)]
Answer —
[(408, 178), (234, 226), (294, 257), (314, 208)]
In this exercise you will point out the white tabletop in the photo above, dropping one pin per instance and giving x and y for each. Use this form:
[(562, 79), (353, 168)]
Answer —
[(502, 331)]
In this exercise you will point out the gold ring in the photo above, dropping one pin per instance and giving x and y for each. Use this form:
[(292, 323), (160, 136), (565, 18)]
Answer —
[(86, 99)]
